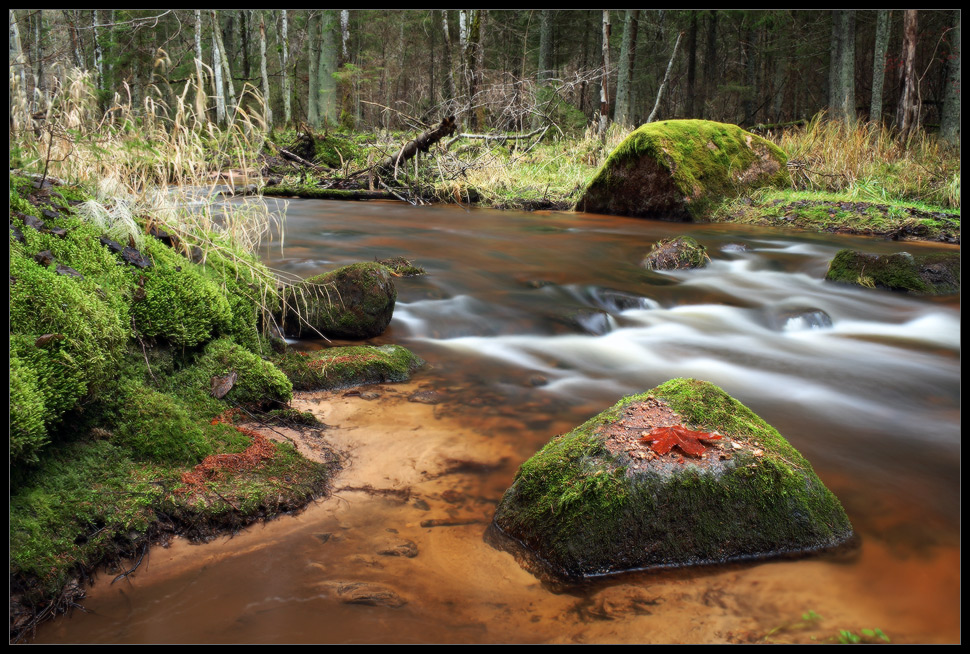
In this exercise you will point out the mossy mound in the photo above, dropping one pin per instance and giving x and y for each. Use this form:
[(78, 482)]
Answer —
[(354, 302), (680, 169), (598, 501), (924, 274), (340, 367), (676, 253)]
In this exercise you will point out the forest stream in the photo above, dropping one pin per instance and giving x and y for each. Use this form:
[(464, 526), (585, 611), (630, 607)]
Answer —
[(530, 324)]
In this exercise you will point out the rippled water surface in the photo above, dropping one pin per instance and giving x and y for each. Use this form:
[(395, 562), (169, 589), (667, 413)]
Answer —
[(531, 323)]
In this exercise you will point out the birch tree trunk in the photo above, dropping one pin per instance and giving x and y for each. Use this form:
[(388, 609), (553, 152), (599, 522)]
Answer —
[(200, 98), (879, 64), (663, 85), (226, 70), (628, 53), (604, 84), (18, 79), (950, 120), (449, 64), (285, 53), (98, 53), (906, 117), (217, 76), (262, 72)]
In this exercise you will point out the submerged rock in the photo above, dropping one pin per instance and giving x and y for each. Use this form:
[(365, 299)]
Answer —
[(679, 169), (924, 274), (341, 367), (676, 253), (353, 302), (600, 500)]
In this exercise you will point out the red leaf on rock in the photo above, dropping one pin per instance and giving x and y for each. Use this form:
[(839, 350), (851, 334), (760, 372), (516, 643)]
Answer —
[(664, 439)]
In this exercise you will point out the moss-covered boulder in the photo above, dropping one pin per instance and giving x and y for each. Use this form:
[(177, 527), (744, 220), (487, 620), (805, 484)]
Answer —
[(599, 500), (923, 274), (680, 169), (340, 367), (353, 302), (676, 253)]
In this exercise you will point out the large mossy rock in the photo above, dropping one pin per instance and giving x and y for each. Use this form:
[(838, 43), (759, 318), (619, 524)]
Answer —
[(680, 169), (340, 367), (354, 302), (923, 274), (597, 500)]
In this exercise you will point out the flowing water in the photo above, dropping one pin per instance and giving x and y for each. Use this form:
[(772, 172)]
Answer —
[(531, 323)]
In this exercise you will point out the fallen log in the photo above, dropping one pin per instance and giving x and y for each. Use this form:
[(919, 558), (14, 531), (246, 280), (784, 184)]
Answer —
[(327, 193), (421, 144)]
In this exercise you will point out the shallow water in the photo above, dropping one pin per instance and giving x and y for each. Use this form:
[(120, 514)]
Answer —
[(530, 324)]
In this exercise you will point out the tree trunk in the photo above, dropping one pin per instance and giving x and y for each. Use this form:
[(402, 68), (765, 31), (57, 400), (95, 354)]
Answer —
[(950, 119), (18, 78), (244, 22), (751, 77), (628, 55), (98, 53), (710, 65), (879, 64), (39, 81), (663, 85), (226, 70), (328, 66), (906, 111), (262, 72), (449, 77), (835, 55), (285, 54), (313, 54), (217, 75), (604, 84), (545, 46), (691, 63), (842, 67)]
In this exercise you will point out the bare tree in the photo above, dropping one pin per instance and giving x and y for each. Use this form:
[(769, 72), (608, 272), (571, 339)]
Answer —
[(604, 85), (906, 111), (879, 64), (262, 71)]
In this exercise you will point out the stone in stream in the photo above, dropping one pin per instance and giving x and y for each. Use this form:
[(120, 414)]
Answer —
[(600, 500), (676, 253), (923, 274), (371, 594), (354, 302), (681, 169)]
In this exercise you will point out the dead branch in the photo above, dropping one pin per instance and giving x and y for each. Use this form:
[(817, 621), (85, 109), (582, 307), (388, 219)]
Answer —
[(421, 144), (496, 137)]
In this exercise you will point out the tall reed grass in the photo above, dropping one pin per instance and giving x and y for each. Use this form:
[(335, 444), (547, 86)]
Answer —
[(867, 161)]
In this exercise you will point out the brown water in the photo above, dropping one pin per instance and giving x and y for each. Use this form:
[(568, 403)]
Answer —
[(530, 324)]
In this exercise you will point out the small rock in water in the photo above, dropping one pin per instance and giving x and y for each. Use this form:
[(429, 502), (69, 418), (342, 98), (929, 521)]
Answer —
[(399, 547), (425, 397), (360, 592)]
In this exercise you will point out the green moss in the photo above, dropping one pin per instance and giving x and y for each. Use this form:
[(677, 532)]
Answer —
[(682, 168), (340, 367), (584, 512), (180, 304), (354, 302), (927, 274), (258, 382), (28, 434)]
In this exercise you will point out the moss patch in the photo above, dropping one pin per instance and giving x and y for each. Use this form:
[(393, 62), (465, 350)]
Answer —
[(925, 274), (340, 367), (584, 510), (681, 169)]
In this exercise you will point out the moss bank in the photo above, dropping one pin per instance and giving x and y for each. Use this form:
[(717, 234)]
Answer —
[(340, 367), (121, 359)]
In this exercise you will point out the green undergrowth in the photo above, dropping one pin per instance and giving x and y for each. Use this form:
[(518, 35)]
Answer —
[(842, 212), (117, 372)]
